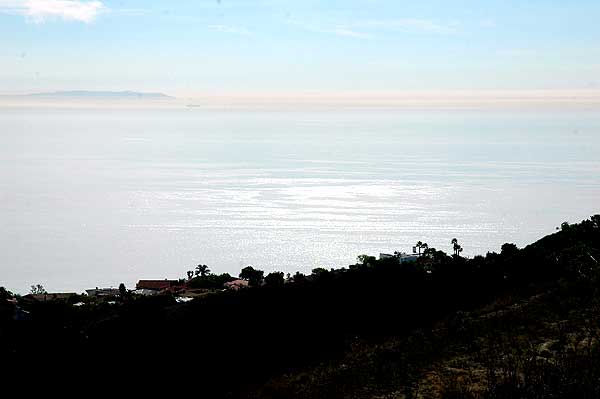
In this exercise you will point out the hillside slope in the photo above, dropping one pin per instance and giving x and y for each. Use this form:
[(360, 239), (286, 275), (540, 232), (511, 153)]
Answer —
[(513, 324)]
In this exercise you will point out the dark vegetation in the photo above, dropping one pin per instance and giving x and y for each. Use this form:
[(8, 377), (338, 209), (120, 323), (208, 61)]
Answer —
[(519, 323), (210, 281)]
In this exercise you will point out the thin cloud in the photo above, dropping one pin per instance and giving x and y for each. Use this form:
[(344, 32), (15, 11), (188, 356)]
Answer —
[(413, 25), (338, 30), (347, 32), (237, 30), (40, 11), (369, 28)]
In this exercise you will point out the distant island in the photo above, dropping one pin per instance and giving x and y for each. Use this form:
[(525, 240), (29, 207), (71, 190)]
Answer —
[(101, 95)]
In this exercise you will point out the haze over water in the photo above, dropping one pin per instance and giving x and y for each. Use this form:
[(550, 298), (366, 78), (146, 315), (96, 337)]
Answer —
[(95, 197)]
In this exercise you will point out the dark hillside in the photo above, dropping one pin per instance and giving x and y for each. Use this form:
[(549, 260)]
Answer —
[(376, 328)]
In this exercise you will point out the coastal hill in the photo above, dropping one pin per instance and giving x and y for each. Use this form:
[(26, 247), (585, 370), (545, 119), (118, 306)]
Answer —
[(519, 323)]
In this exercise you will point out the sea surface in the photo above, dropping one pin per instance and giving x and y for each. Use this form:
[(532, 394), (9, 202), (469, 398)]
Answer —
[(96, 197)]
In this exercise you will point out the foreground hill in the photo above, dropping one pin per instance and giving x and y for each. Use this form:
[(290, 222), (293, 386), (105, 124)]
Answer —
[(513, 324), (543, 345)]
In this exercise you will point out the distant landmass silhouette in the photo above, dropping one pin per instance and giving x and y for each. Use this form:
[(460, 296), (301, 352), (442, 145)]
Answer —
[(102, 94)]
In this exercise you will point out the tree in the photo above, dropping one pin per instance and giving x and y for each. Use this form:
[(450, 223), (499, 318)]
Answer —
[(457, 248), (299, 277), (365, 260), (429, 252), (38, 289), (122, 290), (274, 279), (508, 249), (247, 273), (190, 274), (202, 270), (252, 275), (212, 281), (319, 271), (421, 246), (435, 256), (454, 243), (321, 274)]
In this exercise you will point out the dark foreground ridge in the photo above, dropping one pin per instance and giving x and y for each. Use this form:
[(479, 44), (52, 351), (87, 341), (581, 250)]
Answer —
[(520, 323)]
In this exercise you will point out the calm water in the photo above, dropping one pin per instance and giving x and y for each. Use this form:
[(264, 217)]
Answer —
[(98, 197)]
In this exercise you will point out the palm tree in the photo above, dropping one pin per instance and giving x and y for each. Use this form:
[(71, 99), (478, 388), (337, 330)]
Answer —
[(202, 270), (190, 274), (455, 245), (419, 245)]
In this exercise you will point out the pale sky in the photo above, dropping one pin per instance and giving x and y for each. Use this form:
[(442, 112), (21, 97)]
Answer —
[(195, 46)]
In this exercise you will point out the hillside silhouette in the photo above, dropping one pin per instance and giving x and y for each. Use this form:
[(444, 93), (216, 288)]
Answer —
[(519, 323)]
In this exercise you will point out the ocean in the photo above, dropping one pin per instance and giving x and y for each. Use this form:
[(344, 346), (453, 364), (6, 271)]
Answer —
[(95, 197)]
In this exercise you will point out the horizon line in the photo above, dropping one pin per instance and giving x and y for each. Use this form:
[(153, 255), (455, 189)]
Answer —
[(464, 98)]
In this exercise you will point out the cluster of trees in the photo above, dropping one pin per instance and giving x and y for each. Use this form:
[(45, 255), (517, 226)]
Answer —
[(199, 271), (421, 246), (201, 277), (37, 289)]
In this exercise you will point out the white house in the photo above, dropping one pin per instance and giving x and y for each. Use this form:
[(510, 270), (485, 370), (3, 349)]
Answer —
[(99, 292)]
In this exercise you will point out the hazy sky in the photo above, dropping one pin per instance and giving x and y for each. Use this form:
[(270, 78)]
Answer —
[(196, 46)]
